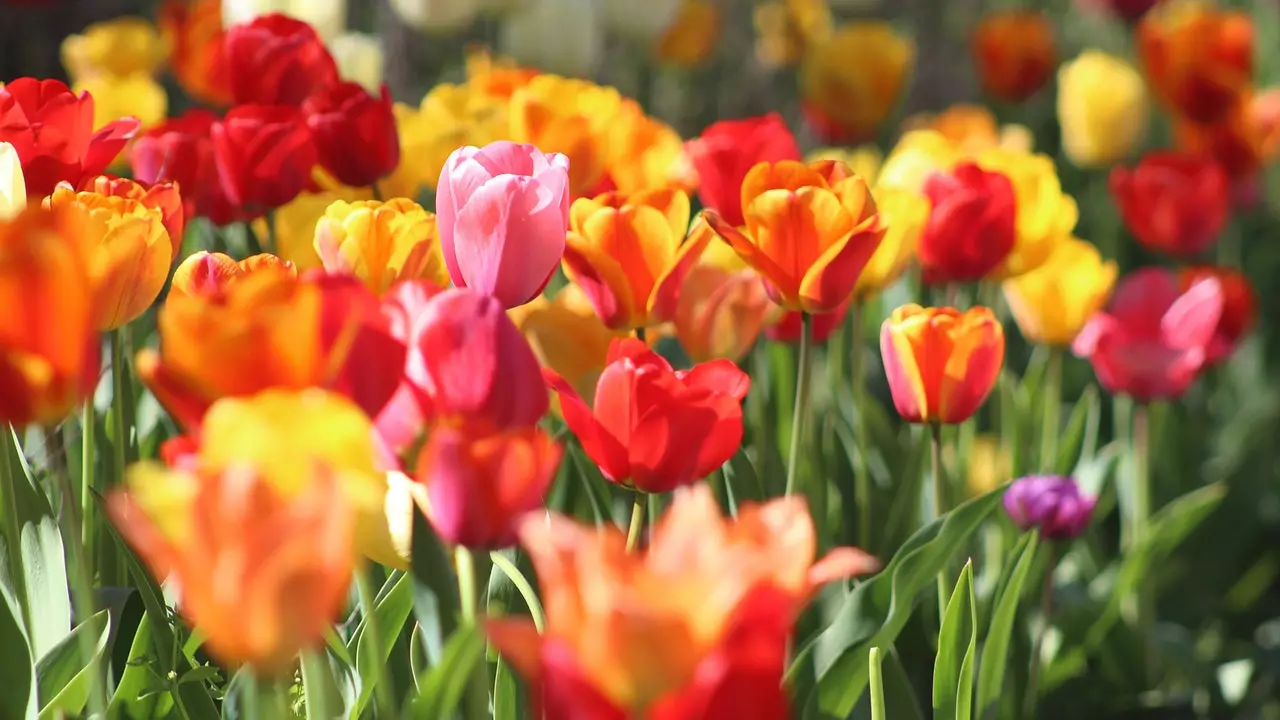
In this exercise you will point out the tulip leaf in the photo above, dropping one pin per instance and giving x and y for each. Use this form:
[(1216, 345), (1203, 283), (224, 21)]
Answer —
[(394, 603), (435, 589), (152, 599), (506, 692), (141, 689), (18, 700), (62, 680), (443, 687), (587, 473), (957, 648), (876, 611), (319, 687), (1083, 417), (995, 650), (742, 479)]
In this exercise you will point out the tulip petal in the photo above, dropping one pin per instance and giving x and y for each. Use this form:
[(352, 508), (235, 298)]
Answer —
[(742, 245), (721, 377), (666, 444), (519, 642), (905, 375), (601, 446), (977, 354), (832, 278), (724, 438), (1192, 319), (666, 289), (107, 143), (602, 280), (785, 175)]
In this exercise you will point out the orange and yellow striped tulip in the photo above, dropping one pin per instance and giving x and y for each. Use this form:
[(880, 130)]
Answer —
[(941, 363), (381, 243), (209, 274)]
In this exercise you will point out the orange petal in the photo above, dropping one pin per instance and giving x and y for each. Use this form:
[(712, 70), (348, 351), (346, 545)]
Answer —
[(751, 254), (601, 278), (666, 290), (784, 175), (831, 280), (794, 229)]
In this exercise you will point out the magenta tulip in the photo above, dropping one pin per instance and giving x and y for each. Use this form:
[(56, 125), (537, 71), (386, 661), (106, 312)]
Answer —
[(1049, 502)]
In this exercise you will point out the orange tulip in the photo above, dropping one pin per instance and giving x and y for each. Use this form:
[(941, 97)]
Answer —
[(644, 153), (941, 363), (161, 196), (720, 313), (972, 129), (810, 231), (49, 352), (692, 37), (568, 116), (1238, 141), (1198, 59), (1015, 54), (209, 274), (567, 336), (193, 30), (851, 81), (381, 242), (695, 627), (787, 29)]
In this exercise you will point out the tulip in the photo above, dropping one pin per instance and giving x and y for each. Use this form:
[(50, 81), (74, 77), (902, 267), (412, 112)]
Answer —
[(130, 252), (295, 224), (644, 153), (941, 363), (499, 194), (1238, 143), (972, 129), (578, 27), (566, 116), (691, 38), (1239, 307), (121, 47), (208, 275), (478, 488), (51, 128), (328, 18), (193, 31), (972, 224), (161, 196), (49, 349), (684, 424), (810, 230), (1014, 53), (1043, 213), (449, 117), (788, 328), (13, 186), (695, 627), (917, 156), (277, 60), (567, 336), (1052, 303), (787, 30), (135, 97), (264, 156), (864, 160), (1173, 203), (720, 313), (905, 215), (1155, 337), (728, 150), (380, 243), (437, 16), (354, 132), (851, 82), (1198, 59), (360, 59), (1050, 503), (1100, 128), (180, 151), (1127, 10)]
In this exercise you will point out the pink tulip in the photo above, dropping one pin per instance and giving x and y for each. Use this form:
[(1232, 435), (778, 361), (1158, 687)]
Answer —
[(503, 211), (1154, 338)]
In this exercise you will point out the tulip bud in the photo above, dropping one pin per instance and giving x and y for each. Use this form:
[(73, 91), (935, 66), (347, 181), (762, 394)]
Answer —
[(1100, 126), (972, 224), (851, 82), (380, 243), (1052, 504), (1015, 54), (941, 363), (277, 60)]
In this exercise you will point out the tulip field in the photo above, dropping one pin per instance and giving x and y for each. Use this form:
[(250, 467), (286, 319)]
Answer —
[(675, 360)]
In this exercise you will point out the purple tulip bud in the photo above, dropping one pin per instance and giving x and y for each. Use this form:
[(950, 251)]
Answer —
[(1050, 502)]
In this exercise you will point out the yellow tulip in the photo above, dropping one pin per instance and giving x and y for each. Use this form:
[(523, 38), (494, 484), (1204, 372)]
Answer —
[(904, 214), (296, 224), (381, 243), (1045, 214), (13, 186), (972, 129), (117, 96), (787, 29), (916, 156), (1054, 301), (851, 81), (1102, 109), (990, 465), (121, 47), (567, 337), (568, 116), (644, 153), (864, 160), (449, 117)]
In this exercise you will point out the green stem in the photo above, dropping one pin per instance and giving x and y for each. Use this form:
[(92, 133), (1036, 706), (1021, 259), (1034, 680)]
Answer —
[(939, 504), (273, 244), (267, 700), (377, 191), (11, 524), (525, 589), (801, 411), (1052, 412), (251, 239), (317, 685), (477, 698), (373, 635), (1046, 615), (1141, 520), (861, 470), (876, 680), (637, 522), (88, 468), (119, 424)]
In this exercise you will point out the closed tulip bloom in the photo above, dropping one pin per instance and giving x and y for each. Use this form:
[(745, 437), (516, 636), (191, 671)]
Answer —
[(720, 313), (13, 187), (192, 29), (695, 627), (277, 60), (1052, 504), (851, 82), (1101, 127), (728, 150), (788, 326), (328, 18), (691, 38), (567, 116), (49, 349), (180, 151), (354, 132), (123, 46), (941, 363), (1154, 338), (51, 128), (478, 487), (264, 156), (503, 211), (578, 27), (972, 224), (810, 230), (1014, 53), (1239, 307), (1052, 303), (437, 16), (645, 153), (1173, 203), (1043, 213), (905, 215), (653, 428), (381, 243), (208, 275), (1198, 58), (162, 196)]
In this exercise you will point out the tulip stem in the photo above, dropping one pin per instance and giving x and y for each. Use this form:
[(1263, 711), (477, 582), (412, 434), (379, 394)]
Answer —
[(861, 470), (1141, 519), (637, 522), (1046, 613), (120, 421), (377, 191), (88, 468), (801, 411), (517, 578), (273, 246), (875, 679), (477, 698), (373, 635), (1052, 412), (939, 505)]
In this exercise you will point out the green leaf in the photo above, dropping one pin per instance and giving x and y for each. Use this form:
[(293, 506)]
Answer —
[(62, 678), (435, 589), (957, 647), (995, 651), (743, 480), (160, 629), (875, 612), (140, 693), (392, 608), (589, 475), (1083, 416), (444, 686), (506, 693), (323, 698), (18, 699)]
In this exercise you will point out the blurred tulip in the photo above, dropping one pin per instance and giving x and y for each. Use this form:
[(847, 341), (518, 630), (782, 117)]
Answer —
[(192, 29), (567, 336), (180, 151), (941, 363), (264, 156), (1044, 214), (479, 487), (381, 243), (131, 97), (503, 211), (990, 465), (1102, 109), (972, 224), (1198, 58), (566, 116), (122, 47), (51, 128), (354, 132), (208, 275), (161, 196), (851, 82), (578, 29), (864, 160), (918, 155), (1052, 504), (691, 38), (972, 129), (49, 348), (1015, 54), (644, 153), (329, 18), (1239, 307), (1238, 143), (810, 231), (695, 627), (788, 327), (1127, 10), (449, 117), (728, 150), (1173, 203), (277, 60), (905, 216), (1052, 303), (360, 59), (437, 16), (13, 187), (720, 313), (786, 30), (1155, 337), (130, 252), (653, 428), (296, 222)]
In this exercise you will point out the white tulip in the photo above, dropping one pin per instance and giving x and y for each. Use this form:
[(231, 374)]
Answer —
[(565, 37), (328, 17), (359, 58), (437, 15), (641, 21), (13, 186)]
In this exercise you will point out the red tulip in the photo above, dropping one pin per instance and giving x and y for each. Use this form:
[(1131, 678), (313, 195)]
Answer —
[(277, 60), (727, 151), (971, 226), (51, 128), (180, 150), (265, 156), (1173, 203), (355, 133), (654, 428), (1014, 53), (787, 328), (1154, 339), (1239, 307)]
